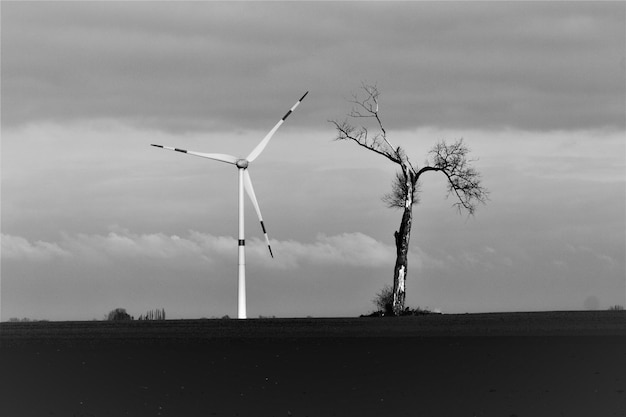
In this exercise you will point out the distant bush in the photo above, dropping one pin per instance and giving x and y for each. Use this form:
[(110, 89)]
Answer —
[(616, 307), (155, 314), (23, 320), (119, 314)]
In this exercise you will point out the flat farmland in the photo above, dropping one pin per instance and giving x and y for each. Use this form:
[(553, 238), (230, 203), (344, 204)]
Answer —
[(499, 364)]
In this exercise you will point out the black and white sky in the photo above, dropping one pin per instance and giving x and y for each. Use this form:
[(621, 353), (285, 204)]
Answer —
[(93, 218)]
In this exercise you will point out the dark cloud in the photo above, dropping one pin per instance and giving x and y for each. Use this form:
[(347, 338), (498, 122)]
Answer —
[(200, 65)]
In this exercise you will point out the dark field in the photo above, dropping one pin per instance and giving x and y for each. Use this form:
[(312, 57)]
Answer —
[(518, 364)]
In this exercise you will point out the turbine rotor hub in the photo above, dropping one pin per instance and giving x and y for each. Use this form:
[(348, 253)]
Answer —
[(242, 163)]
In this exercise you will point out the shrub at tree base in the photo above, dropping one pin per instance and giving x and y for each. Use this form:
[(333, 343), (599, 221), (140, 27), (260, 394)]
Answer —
[(384, 300), (406, 312), (384, 304)]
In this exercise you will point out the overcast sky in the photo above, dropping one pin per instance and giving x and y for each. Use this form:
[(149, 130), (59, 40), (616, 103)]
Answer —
[(93, 218)]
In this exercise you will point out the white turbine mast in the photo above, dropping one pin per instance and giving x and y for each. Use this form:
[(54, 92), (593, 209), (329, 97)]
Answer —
[(244, 183)]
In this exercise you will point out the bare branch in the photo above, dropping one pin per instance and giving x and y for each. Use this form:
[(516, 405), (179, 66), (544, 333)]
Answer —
[(367, 107), (464, 181), (346, 131)]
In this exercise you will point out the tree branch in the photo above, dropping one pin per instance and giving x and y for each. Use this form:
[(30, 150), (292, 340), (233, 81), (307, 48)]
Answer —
[(346, 131), (464, 182), (463, 179), (368, 108)]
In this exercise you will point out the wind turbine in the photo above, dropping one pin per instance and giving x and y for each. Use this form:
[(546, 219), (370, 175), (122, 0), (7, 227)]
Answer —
[(244, 182)]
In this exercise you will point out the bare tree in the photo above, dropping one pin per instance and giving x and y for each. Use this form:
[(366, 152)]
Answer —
[(464, 182)]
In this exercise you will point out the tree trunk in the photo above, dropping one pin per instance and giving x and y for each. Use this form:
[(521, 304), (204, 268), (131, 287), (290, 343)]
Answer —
[(402, 237)]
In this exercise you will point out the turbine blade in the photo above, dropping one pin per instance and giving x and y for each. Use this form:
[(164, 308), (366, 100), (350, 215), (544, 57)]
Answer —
[(215, 156), (259, 148), (247, 182)]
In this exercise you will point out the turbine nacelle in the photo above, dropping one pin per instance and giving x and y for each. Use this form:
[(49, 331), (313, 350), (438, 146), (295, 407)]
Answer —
[(242, 163)]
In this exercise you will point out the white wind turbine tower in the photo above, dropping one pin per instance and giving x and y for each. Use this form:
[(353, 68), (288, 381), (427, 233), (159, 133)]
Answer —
[(244, 182)]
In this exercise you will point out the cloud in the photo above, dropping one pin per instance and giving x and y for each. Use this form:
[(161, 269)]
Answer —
[(351, 249), (346, 249), (122, 244), (16, 247), (80, 275), (589, 256), (202, 65)]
